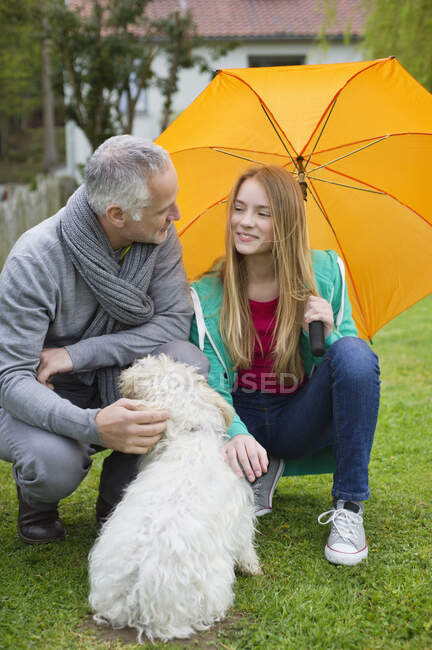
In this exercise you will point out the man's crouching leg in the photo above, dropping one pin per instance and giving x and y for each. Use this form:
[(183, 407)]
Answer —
[(47, 468), (120, 469)]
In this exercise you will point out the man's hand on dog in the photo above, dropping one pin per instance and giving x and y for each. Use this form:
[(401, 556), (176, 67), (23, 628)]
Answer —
[(245, 452), (130, 427)]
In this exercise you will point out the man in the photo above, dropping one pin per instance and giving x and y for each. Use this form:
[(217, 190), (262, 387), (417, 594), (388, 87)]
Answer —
[(82, 295)]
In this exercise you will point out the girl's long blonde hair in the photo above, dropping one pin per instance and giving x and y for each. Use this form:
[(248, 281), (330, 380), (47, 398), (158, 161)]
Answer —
[(293, 269)]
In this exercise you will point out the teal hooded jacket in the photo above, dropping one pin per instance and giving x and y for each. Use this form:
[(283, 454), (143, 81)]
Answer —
[(207, 294)]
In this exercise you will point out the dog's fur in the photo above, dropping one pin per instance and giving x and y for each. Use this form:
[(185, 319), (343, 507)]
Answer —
[(164, 562)]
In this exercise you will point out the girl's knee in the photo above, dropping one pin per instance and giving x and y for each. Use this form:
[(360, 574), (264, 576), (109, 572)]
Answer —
[(354, 356), (186, 352)]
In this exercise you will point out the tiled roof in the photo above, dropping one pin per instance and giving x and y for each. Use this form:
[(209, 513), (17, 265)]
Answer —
[(260, 18)]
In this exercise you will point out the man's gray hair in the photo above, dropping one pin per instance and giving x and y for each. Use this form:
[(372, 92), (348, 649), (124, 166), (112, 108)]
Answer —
[(118, 171)]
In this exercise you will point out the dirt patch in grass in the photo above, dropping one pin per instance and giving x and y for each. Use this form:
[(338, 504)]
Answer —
[(212, 638)]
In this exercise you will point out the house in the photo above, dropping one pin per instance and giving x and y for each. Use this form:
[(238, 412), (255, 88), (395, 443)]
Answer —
[(267, 33)]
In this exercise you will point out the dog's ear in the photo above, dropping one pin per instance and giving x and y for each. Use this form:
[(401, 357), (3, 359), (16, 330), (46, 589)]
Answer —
[(210, 395), (227, 411)]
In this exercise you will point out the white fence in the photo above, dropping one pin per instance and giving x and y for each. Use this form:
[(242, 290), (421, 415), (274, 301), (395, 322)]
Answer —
[(25, 208)]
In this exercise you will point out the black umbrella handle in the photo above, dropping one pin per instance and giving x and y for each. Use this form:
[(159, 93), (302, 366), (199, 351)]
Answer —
[(316, 336)]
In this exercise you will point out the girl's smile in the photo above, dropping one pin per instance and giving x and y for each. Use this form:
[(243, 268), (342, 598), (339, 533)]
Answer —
[(251, 221)]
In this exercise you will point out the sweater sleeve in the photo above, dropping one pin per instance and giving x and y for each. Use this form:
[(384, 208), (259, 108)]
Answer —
[(28, 299), (344, 322), (218, 379), (171, 320)]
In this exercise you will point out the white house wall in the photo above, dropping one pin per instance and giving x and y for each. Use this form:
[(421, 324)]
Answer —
[(192, 83)]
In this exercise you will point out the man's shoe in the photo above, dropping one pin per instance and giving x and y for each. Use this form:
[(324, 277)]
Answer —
[(38, 526), (103, 510), (264, 486), (346, 543)]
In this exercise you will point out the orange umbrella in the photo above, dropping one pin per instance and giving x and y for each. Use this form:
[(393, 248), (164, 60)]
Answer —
[(358, 136)]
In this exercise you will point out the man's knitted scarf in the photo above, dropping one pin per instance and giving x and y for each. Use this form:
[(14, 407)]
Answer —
[(120, 289)]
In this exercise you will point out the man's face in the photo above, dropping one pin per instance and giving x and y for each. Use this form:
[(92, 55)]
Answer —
[(156, 217)]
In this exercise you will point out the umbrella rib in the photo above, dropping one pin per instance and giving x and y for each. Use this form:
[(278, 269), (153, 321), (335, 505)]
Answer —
[(350, 187), (330, 162), (278, 134), (192, 221), (313, 192), (356, 142), (228, 153), (324, 214), (262, 102), (373, 64), (322, 131), (382, 192), (279, 155)]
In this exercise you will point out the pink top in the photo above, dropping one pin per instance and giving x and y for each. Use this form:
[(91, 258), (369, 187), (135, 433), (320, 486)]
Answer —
[(260, 376)]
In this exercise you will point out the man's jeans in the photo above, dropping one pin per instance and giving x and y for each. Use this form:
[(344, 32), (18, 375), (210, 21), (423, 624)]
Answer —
[(337, 406), (49, 467)]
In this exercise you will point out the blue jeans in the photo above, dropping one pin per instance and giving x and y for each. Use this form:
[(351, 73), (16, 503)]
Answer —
[(337, 406)]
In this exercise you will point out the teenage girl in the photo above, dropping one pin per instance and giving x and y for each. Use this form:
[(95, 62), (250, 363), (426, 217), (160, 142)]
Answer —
[(252, 321)]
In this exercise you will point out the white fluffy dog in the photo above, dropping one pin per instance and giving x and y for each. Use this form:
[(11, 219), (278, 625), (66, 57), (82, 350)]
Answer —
[(164, 562)]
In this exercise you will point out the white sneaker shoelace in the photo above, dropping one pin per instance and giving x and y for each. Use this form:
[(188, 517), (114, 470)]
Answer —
[(346, 522)]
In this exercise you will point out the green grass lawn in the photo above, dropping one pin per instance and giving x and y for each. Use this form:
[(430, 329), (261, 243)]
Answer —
[(300, 601)]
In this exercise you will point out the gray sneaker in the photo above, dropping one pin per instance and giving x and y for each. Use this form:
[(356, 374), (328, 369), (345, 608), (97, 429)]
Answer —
[(264, 486), (346, 543)]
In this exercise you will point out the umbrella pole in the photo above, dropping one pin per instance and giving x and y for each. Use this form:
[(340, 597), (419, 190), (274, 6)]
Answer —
[(302, 176)]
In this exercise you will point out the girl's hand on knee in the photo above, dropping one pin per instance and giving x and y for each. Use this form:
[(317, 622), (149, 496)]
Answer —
[(244, 453)]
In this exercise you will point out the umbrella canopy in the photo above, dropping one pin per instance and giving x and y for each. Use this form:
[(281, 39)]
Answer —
[(359, 137)]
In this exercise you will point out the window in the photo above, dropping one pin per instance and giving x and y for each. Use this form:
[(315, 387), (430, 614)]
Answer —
[(267, 60)]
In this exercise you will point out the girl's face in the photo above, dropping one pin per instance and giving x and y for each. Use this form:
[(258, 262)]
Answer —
[(251, 221)]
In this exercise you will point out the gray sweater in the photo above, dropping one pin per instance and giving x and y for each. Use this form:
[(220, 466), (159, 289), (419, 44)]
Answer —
[(44, 303)]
